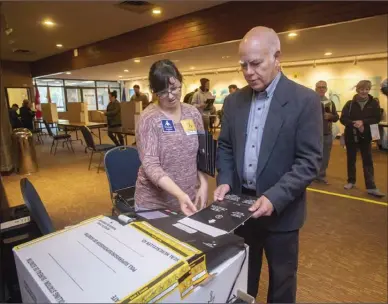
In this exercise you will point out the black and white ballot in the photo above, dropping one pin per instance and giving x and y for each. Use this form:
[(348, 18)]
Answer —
[(221, 217)]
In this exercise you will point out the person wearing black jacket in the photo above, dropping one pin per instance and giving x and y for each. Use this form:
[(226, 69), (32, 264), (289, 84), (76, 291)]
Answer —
[(14, 117), (357, 116), (27, 115)]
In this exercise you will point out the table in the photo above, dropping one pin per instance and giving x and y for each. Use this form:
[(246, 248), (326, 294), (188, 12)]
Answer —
[(75, 126), (123, 131)]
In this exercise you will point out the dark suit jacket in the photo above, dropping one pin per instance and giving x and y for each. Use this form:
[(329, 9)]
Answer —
[(290, 153)]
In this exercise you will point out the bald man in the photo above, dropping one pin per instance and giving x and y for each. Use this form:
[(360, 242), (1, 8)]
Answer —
[(270, 147)]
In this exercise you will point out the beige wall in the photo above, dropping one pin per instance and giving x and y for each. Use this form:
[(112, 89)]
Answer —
[(13, 74), (341, 78)]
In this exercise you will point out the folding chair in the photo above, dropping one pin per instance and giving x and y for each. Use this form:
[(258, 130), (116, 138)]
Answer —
[(91, 146), (65, 138), (35, 206), (122, 165)]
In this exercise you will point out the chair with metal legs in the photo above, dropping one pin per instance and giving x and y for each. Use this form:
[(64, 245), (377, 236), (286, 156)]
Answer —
[(93, 148), (65, 138), (122, 165)]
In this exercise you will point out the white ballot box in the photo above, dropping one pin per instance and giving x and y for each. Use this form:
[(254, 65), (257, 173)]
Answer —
[(102, 261)]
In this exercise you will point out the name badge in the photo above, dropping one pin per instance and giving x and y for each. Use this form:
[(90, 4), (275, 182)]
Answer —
[(168, 125), (189, 127)]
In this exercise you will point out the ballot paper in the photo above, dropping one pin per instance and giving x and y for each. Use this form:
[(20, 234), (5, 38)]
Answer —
[(101, 261), (221, 217), (375, 132)]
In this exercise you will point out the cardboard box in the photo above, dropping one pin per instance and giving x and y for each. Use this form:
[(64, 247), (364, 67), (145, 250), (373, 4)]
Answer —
[(128, 115), (77, 112), (102, 261), (50, 113)]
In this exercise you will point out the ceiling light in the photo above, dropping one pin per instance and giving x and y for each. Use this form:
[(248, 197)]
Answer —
[(292, 34), (328, 53), (192, 68), (126, 71), (48, 22), (156, 11), (120, 76), (225, 57), (68, 73), (137, 60), (59, 45)]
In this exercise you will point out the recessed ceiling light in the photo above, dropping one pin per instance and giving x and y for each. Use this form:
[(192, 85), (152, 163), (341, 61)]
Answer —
[(120, 76), (225, 57), (59, 45), (328, 53), (156, 11), (192, 68), (68, 73), (48, 22), (292, 34), (126, 71), (137, 60)]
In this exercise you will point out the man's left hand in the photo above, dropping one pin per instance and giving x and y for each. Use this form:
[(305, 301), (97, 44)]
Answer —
[(262, 207)]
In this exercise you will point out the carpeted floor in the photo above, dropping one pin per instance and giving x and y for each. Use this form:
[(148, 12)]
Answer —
[(343, 246)]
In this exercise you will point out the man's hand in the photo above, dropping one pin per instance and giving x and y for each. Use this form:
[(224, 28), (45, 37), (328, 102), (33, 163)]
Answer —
[(328, 116), (358, 124), (220, 192), (262, 207)]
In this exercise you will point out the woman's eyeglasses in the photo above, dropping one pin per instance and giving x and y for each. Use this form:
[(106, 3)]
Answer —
[(165, 93)]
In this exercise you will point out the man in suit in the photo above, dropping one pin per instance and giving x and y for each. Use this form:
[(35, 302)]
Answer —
[(270, 147)]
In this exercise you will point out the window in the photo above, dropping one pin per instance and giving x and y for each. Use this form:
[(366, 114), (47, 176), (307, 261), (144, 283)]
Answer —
[(80, 83), (57, 95), (102, 98), (49, 82), (89, 97), (73, 95)]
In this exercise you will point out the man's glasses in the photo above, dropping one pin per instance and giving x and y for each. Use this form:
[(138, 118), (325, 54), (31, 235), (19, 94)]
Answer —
[(165, 93)]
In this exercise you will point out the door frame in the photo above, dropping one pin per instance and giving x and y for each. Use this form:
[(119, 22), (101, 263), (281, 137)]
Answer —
[(17, 87)]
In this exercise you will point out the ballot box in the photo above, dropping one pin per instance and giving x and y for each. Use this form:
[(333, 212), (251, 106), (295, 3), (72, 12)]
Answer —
[(104, 261)]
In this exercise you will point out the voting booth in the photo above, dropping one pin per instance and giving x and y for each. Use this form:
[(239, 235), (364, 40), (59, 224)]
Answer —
[(154, 258)]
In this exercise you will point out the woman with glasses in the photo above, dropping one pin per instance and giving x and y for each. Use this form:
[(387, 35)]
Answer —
[(167, 142)]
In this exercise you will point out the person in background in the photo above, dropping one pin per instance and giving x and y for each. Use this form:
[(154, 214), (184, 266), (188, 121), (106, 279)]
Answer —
[(27, 115), (14, 117), (113, 114), (270, 147), (330, 115), (189, 97), (200, 102), (202, 95), (139, 96), (167, 141), (384, 87), (357, 116), (232, 88)]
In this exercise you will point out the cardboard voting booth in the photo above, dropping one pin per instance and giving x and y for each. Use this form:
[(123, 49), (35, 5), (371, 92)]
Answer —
[(103, 261), (50, 112), (77, 112)]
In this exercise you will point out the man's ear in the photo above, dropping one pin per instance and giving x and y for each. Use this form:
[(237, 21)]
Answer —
[(277, 59)]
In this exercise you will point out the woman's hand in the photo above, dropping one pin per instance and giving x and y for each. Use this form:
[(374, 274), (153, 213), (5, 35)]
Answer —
[(201, 196), (187, 206)]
